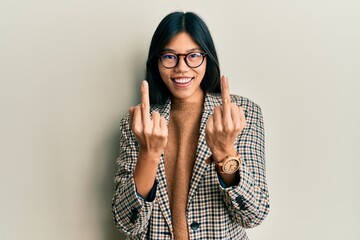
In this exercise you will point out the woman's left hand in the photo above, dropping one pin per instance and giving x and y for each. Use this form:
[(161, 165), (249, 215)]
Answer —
[(224, 125)]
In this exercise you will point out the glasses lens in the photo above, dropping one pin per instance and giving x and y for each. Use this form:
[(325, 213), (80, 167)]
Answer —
[(194, 59), (169, 60)]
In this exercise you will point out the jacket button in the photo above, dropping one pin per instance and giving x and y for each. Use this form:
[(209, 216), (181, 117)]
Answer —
[(194, 225), (240, 201), (134, 215)]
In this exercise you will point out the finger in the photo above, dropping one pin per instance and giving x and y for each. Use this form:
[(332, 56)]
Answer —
[(225, 96), (218, 119), (210, 124), (131, 115), (235, 115), (145, 102), (156, 122), (163, 126), (242, 117), (137, 126)]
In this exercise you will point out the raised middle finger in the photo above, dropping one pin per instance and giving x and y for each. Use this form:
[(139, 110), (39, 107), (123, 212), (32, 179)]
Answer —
[(226, 100), (145, 102)]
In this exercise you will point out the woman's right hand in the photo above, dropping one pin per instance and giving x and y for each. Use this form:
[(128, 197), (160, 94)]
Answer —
[(150, 131)]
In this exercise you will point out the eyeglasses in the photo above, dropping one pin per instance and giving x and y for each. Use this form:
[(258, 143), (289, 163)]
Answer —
[(193, 59)]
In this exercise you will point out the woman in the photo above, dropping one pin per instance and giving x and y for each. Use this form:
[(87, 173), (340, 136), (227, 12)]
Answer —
[(191, 162)]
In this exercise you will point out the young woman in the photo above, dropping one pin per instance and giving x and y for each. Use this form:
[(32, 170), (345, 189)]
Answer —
[(191, 162)]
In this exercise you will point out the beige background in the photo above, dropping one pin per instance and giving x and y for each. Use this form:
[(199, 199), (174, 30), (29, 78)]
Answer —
[(69, 70)]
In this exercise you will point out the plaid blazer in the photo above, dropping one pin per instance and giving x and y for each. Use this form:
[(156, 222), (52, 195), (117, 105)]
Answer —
[(213, 212)]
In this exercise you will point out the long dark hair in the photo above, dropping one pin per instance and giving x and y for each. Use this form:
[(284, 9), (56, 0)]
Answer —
[(171, 25)]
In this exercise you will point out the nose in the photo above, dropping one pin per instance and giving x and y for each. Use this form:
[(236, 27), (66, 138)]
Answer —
[(181, 66)]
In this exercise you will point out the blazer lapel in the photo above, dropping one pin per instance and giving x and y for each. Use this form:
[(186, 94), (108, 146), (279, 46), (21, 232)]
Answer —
[(162, 194), (203, 151)]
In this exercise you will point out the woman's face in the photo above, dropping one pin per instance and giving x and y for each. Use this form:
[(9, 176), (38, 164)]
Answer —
[(183, 81)]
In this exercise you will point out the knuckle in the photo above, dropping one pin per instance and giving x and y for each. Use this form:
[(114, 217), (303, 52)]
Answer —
[(228, 126), (147, 131), (237, 125), (137, 129), (226, 100), (157, 133), (218, 129)]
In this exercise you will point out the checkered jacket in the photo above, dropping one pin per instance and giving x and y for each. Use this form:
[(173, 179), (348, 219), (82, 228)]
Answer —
[(213, 212)]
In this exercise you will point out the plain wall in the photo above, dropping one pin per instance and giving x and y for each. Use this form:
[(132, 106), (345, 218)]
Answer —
[(69, 71)]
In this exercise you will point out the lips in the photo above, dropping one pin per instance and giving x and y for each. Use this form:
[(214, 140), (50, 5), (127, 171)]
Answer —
[(184, 80)]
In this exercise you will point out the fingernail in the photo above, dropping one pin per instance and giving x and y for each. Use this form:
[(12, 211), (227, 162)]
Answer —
[(144, 84), (225, 79)]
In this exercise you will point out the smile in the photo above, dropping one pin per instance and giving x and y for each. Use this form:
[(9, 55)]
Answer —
[(182, 80)]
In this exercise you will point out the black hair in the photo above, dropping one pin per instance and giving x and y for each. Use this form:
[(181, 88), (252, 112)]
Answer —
[(171, 25)]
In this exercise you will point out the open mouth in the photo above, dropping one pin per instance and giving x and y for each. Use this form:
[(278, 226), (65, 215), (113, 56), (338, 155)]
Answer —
[(182, 82)]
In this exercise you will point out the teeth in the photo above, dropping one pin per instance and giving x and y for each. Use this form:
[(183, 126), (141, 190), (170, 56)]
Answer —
[(182, 80)]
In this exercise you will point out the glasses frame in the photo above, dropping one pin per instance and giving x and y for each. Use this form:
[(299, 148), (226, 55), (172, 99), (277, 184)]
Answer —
[(185, 59)]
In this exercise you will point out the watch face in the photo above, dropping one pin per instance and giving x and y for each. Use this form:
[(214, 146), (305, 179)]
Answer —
[(231, 166)]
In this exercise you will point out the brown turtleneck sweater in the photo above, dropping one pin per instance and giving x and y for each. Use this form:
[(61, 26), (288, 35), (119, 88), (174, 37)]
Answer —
[(179, 155)]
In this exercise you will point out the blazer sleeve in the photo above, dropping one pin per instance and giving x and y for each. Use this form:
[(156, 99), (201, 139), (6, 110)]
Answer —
[(131, 212), (248, 202)]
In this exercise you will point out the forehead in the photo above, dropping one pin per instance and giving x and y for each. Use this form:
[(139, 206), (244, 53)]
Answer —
[(182, 42)]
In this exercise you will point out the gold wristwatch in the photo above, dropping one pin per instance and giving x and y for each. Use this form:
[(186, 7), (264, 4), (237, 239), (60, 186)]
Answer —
[(229, 165)]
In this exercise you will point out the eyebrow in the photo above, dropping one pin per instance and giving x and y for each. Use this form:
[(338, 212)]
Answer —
[(190, 50)]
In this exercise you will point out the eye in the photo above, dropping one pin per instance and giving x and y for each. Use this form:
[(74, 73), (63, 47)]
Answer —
[(168, 56), (194, 55)]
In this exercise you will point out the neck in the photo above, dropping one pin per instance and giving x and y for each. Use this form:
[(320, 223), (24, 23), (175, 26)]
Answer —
[(198, 97)]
